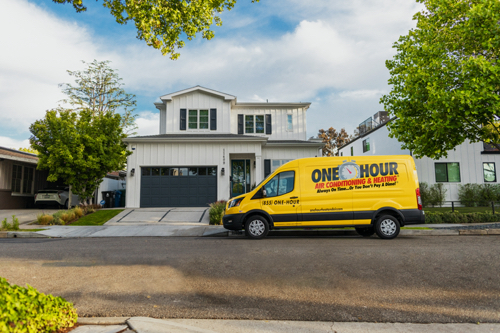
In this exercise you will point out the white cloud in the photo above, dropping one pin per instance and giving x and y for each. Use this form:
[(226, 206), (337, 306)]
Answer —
[(361, 93), (148, 123), (13, 144)]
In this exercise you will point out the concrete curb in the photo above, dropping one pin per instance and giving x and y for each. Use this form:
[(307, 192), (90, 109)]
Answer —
[(103, 320), (25, 234)]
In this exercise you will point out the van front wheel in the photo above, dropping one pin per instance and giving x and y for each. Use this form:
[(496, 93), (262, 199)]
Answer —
[(387, 227), (256, 227)]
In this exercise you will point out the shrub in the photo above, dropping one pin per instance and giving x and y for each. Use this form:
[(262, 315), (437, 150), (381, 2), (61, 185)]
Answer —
[(6, 226), (433, 195), (457, 217), (78, 212), (216, 212), (45, 219), (57, 217), (469, 194), (27, 310)]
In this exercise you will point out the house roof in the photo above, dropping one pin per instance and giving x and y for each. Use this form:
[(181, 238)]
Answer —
[(168, 97), (17, 155)]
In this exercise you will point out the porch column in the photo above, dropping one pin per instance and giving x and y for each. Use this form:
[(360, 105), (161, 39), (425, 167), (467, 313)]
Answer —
[(259, 174)]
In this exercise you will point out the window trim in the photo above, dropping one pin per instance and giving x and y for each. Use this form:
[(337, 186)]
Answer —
[(494, 172), (254, 123), (198, 116), (447, 176), (22, 193)]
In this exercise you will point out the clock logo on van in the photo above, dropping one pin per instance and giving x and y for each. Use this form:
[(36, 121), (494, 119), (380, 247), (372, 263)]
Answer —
[(348, 170)]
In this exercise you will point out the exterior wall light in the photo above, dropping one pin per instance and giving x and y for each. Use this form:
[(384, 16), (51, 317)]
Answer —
[(222, 172), (132, 172)]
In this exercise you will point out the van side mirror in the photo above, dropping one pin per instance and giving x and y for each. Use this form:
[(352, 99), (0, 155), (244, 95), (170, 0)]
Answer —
[(264, 193)]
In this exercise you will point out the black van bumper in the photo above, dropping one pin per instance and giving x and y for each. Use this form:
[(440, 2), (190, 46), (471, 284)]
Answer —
[(413, 216), (233, 221)]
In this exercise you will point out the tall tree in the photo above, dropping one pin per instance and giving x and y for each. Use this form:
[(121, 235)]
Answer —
[(333, 140), (99, 89), (79, 148), (445, 78), (162, 23)]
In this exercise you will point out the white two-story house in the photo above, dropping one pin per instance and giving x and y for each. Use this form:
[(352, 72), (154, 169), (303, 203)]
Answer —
[(211, 147)]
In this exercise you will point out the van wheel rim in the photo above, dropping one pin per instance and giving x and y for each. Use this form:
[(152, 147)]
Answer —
[(388, 227), (256, 227)]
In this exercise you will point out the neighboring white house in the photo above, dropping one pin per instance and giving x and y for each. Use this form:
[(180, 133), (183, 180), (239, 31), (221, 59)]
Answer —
[(468, 163), (211, 147)]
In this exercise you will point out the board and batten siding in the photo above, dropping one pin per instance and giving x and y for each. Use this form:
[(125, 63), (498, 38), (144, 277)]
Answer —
[(288, 153), (196, 100), (468, 155), (188, 154), (278, 119)]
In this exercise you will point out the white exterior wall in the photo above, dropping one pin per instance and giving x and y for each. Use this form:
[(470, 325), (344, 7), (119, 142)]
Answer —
[(196, 100), (279, 121), (468, 155), (200, 153), (288, 153)]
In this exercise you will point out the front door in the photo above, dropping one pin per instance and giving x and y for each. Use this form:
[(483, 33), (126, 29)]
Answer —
[(240, 177)]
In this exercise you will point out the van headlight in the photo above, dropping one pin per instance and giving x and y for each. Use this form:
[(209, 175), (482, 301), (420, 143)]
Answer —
[(235, 203)]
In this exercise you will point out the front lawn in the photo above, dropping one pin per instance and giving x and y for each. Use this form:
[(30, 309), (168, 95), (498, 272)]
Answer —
[(98, 218)]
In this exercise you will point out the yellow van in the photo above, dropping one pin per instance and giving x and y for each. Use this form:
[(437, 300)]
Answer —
[(373, 194)]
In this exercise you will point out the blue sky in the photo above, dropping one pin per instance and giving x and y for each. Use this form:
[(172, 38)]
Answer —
[(328, 52)]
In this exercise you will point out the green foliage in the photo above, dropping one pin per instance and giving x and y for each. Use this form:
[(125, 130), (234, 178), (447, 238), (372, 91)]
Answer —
[(6, 226), (445, 78), (162, 23), (216, 212), (79, 148), (473, 195), (27, 310), (456, 217), (434, 195), (98, 218), (99, 88)]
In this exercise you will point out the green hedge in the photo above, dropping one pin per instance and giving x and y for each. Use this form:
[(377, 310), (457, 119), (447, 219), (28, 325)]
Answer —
[(27, 310), (457, 217), (216, 211)]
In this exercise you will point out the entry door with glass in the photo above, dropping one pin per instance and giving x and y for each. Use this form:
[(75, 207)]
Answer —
[(240, 177)]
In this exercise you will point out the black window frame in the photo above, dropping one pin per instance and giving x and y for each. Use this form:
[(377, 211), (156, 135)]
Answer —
[(447, 176), (494, 173)]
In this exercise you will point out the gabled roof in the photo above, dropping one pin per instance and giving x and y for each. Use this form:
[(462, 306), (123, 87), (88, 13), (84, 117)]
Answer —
[(17, 155), (227, 97)]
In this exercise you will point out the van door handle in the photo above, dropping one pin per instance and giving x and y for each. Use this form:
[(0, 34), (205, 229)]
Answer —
[(294, 197)]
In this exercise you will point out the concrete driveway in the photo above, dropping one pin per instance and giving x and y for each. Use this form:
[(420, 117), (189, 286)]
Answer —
[(156, 216)]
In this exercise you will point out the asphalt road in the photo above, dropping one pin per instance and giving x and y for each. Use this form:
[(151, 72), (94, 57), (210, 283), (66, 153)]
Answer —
[(419, 280)]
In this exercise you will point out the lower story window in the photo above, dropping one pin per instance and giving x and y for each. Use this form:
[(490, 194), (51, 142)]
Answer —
[(447, 172), (22, 179), (489, 172)]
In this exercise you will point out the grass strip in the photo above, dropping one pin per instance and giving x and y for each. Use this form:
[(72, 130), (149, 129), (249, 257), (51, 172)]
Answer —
[(30, 230), (98, 218)]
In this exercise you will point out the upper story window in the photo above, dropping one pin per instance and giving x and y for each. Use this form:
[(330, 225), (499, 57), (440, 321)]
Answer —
[(366, 145), (447, 172), (289, 124), (254, 124), (489, 172), (22, 179), (198, 119)]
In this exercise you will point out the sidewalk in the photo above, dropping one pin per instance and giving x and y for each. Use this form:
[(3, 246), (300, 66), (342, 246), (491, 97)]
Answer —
[(151, 325)]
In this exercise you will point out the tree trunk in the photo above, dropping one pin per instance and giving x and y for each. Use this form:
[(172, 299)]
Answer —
[(69, 199)]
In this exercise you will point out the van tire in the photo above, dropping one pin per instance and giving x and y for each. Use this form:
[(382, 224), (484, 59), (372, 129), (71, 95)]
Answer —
[(256, 227), (387, 227), (365, 232)]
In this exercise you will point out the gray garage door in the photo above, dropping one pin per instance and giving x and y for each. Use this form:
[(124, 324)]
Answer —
[(178, 186)]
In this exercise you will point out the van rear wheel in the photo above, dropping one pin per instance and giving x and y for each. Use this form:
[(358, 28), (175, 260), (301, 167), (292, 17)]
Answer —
[(387, 227), (256, 227), (365, 232)]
